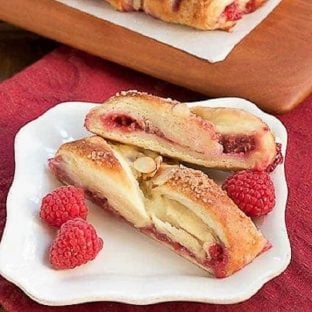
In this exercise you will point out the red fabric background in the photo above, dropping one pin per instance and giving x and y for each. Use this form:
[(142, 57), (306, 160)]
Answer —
[(66, 75)]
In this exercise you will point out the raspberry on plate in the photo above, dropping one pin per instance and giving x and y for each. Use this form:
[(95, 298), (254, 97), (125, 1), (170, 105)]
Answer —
[(252, 191), (76, 243), (63, 204)]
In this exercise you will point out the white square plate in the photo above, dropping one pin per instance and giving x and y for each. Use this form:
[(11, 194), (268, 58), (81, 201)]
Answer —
[(131, 268)]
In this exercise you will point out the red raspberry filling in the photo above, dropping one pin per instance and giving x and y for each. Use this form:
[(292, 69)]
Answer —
[(251, 6), (123, 121), (277, 160), (237, 143), (127, 6), (176, 5), (218, 258), (127, 123), (232, 12)]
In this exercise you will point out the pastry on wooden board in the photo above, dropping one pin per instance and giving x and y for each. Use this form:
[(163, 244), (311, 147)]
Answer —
[(200, 14)]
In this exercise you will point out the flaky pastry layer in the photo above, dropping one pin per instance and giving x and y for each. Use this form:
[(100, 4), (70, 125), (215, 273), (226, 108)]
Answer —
[(178, 206), (200, 14), (223, 138)]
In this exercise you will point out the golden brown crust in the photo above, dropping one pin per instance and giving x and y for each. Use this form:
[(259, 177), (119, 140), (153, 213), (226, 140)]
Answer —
[(170, 120), (193, 135), (250, 6), (92, 164), (102, 168), (200, 14), (94, 150), (233, 121), (237, 232), (204, 14)]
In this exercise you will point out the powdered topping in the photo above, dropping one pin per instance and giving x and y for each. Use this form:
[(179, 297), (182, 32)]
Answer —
[(237, 144)]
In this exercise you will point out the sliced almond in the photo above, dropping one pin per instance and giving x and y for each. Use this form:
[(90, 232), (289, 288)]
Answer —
[(150, 154), (164, 175), (145, 164), (158, 161)]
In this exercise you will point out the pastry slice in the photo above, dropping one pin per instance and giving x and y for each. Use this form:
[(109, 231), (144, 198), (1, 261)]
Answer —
[(243, 136), (180, 207), (200, 14), (227, 139), (92, 165), (249, 6)]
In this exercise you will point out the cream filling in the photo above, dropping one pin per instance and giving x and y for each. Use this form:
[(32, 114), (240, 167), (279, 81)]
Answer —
[(180, 224), (169, 216)]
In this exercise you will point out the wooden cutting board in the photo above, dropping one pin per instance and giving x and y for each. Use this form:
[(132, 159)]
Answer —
[(271, 67)]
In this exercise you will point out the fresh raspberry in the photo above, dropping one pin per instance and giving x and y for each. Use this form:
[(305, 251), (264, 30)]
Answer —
[(252, 191), (63, 204), (76, 243), (233, 12)]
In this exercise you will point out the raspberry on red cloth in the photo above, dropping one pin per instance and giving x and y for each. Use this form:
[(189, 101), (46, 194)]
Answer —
[(76, 243), (252, 191), (63, 204)]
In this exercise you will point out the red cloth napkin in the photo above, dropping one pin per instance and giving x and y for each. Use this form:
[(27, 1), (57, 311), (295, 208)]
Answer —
[(65, 75)]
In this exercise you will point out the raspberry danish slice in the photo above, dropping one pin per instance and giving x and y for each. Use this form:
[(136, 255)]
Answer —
[(227, 139), (200, 14), (180, 207)]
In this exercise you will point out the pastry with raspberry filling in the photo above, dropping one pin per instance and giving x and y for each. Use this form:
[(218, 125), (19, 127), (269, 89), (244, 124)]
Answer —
[(200, 14), (223, 138), (249, 6), (179, 207)]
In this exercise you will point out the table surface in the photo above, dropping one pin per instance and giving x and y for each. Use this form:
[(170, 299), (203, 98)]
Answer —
[(19, 49)]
